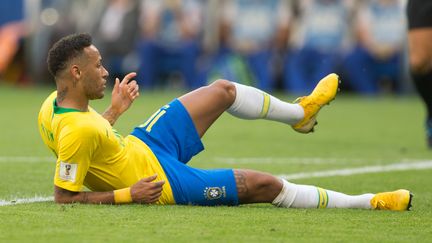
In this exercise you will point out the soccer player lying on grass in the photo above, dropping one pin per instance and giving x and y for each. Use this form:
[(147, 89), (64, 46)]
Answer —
[(150, 164)]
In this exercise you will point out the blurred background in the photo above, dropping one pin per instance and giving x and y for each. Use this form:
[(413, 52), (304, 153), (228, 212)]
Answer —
[(275, 45)]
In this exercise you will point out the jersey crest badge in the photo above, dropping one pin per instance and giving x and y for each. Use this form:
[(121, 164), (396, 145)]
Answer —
[(212, 193)]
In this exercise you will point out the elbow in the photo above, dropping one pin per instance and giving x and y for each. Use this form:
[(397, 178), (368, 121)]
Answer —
[(62, 196), (59, 199)]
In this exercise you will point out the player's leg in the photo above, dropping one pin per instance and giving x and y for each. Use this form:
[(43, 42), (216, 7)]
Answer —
[(420, 54), (254, 186), (206, 104), (259, 187), (420, 46)]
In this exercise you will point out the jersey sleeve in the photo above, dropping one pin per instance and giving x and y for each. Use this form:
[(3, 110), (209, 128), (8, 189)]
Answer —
[(75, 152)]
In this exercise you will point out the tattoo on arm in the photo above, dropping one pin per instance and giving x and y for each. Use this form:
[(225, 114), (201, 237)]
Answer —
[(240, 177), (85, 197), (65, 196), (110, 116)]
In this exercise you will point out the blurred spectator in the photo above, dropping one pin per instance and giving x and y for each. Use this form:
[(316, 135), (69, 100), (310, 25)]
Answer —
[(320, 39), (116, 35), (170, 40), (12, 29), (381, 28), (252, 32)]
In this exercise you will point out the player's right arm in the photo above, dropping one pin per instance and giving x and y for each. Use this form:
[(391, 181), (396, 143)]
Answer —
[(144, 191), (123, 95)]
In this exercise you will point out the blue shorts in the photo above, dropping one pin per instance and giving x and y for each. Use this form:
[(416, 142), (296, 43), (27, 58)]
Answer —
[(172, 136)]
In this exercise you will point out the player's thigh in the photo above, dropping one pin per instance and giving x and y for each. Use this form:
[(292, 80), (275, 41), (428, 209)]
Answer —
[(206, 104), (193, 186), (419, 13), (420, 49)]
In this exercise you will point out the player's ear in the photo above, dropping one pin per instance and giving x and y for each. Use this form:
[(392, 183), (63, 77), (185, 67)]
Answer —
[(75, 71)]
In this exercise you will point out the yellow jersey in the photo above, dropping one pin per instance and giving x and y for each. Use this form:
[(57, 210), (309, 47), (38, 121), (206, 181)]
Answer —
[(91, 153)]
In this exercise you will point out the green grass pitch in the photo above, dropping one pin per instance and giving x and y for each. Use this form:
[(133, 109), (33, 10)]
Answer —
[(353, 132)]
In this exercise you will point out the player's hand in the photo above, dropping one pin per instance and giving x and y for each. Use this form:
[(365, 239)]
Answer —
[(147, 191), (124, 93)]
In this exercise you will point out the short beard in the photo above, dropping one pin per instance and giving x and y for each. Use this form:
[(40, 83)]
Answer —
[(95, 96)]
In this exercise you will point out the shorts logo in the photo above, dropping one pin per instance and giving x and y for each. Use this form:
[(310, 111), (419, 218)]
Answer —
[(67, 171), (212, 193)]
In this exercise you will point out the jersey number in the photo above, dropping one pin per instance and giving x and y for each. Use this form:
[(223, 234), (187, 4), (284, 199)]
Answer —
[(154, 118)]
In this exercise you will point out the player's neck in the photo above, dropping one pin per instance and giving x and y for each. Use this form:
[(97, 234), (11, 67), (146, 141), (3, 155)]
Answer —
[(71, 98), (74, 104)]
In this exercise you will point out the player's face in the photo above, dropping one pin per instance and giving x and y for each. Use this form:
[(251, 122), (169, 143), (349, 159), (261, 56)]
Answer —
[(94, 74)]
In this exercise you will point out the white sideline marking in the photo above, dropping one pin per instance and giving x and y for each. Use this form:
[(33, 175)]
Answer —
[(26, 200), (284, 160), (29, 159), (225, 160), (422, 165)]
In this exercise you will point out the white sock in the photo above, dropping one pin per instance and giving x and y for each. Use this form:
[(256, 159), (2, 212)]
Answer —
[(304, 196), (252, 103)]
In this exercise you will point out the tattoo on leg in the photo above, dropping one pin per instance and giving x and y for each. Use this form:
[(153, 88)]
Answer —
[(62, 94), (240, 177)]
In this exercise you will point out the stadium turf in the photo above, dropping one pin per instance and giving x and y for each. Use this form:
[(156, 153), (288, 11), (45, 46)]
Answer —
[(353, 132)]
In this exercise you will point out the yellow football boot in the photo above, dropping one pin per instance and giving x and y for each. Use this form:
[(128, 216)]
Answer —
[(399, 200), (324, 92)]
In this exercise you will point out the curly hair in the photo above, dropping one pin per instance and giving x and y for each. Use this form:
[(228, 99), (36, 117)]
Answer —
[(65, 49)]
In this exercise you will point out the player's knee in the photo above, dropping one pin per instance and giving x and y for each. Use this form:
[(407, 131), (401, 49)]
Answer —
[(420, 62), (266, 183), (255, 186), (225, 89)]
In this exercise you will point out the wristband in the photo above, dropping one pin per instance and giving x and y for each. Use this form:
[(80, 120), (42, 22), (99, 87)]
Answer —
[(122, 196)]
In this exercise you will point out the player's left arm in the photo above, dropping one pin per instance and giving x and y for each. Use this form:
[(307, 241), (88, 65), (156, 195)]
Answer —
[(123, 95)]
